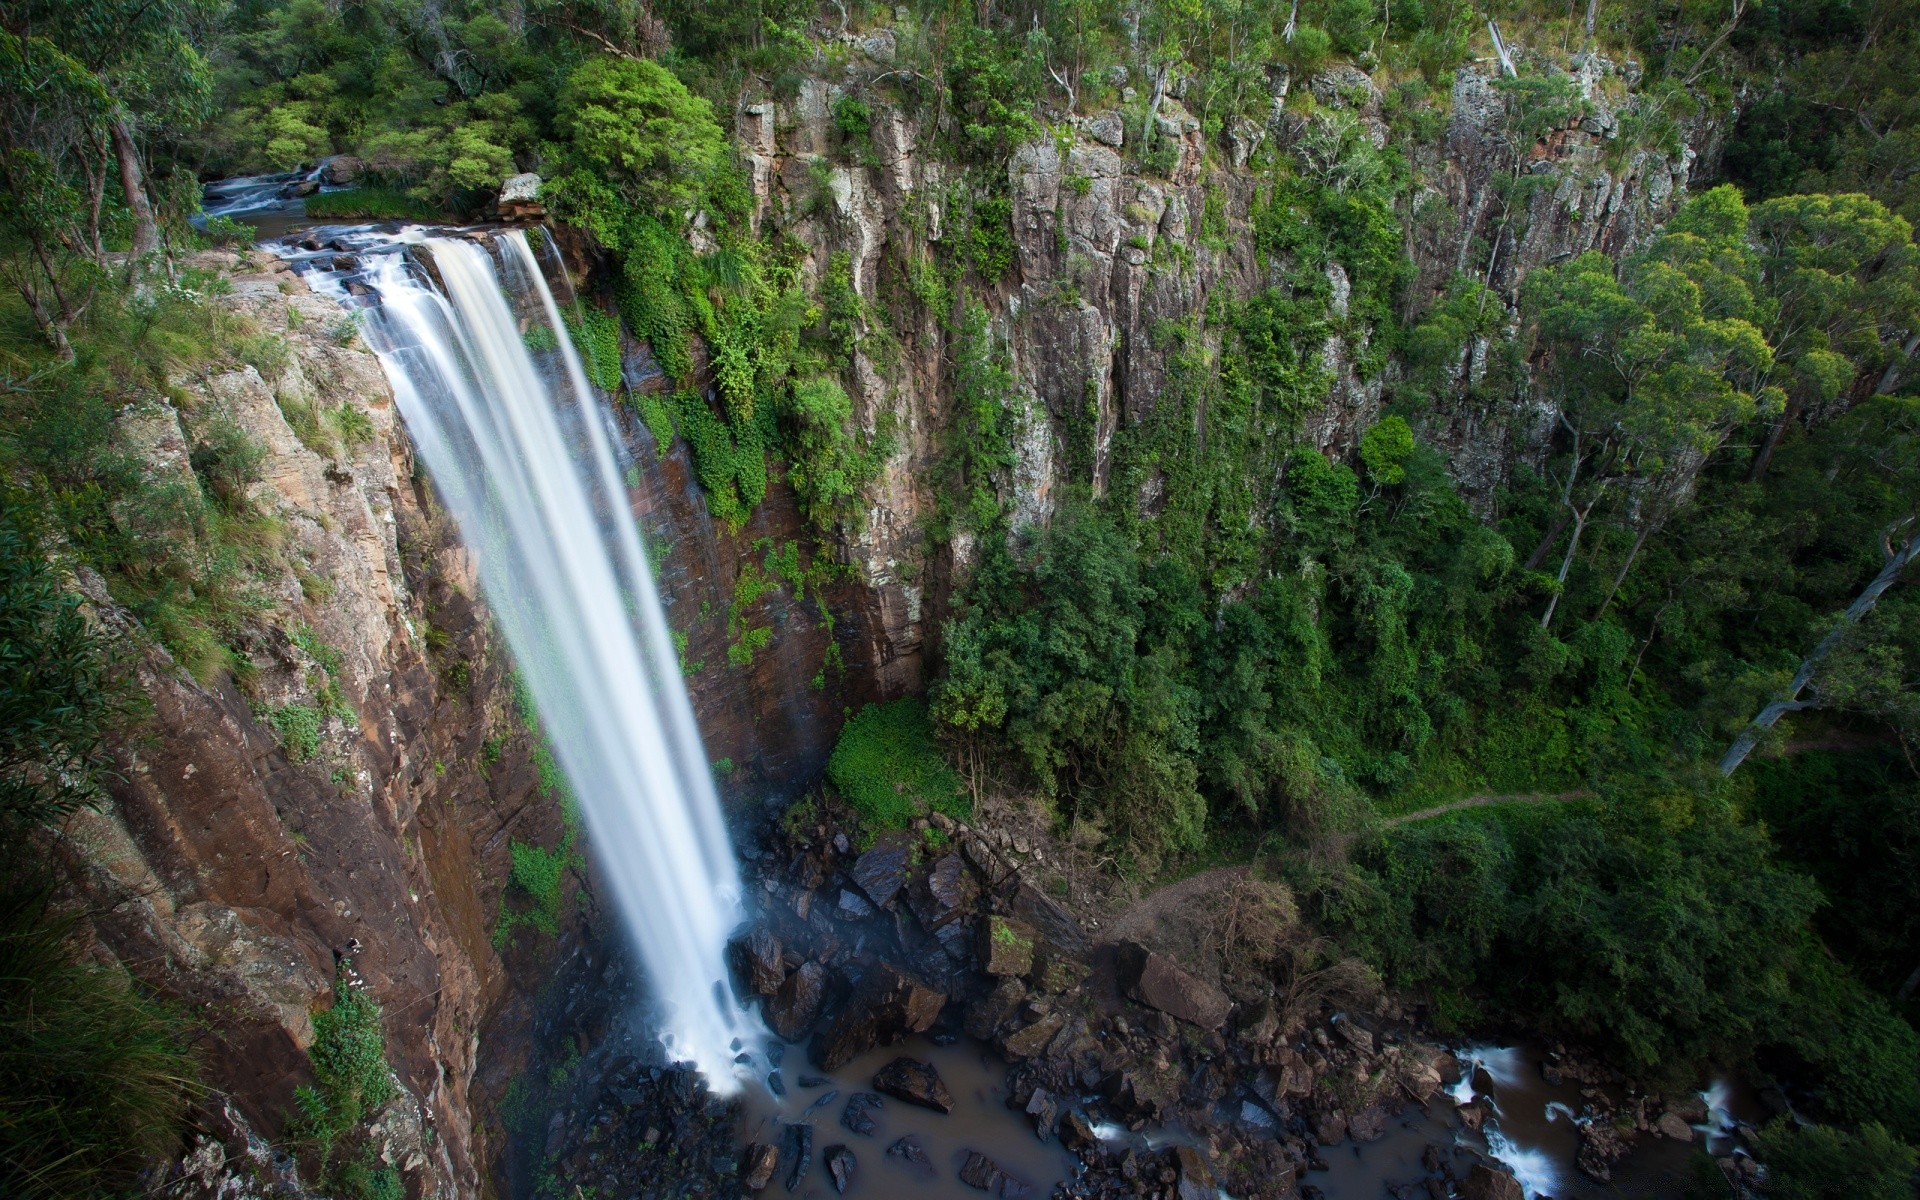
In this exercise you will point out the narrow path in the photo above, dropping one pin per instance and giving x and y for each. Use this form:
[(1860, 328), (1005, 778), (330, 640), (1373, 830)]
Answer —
[(1139, 918), (1484, 802)]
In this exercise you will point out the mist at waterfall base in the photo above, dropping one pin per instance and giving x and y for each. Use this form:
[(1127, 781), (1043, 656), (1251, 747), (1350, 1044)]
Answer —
[(519, 454)]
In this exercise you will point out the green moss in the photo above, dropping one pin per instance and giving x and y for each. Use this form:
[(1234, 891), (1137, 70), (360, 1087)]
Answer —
[(372, 204), (889, 769)]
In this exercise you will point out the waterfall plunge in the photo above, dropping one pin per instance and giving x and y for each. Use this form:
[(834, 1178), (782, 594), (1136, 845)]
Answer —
[(524, 463)]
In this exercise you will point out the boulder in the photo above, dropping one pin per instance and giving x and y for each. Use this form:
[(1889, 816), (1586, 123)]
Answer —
[(1485, 1183), (948, 891), (1076, 1132), (915, 1082), (800, 1140), (1196, 1179), (1043, 1110), (341, 170), (856, 1117), (909, 1150), (981, 1172), (1674, 1126), (1369, 1124), (1473, 1115), (887, 1005), (1155, 981), (758, 1163), (794, 1008), (881, 872), (1032, 1041), (986, 1015), (1005, 946), (1330, 1128), (520, 198), (757, 958), (853, 906), (840, 1166), (1107, 127)]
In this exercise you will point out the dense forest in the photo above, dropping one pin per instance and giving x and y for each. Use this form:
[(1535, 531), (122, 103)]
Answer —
[(1680, 638)]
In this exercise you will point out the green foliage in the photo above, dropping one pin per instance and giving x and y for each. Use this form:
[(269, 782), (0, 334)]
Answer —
[(1385, 449), (60, 692), (372, 203), (94, 1075), (1656, 926), (637, 143), (831, 463), (888, 768), (352, 1081), (729, 460), (1819, 1162), (596, 335)]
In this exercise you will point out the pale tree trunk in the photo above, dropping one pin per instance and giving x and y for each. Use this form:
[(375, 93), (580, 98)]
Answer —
[(1500, 49), (1580, 516), (1593, 10), (1897, 559), (146, 231)]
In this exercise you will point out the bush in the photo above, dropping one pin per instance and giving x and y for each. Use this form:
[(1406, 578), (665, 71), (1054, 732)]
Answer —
[(352, 1081), (1818, 1162), (94, 1077), (372, 204), (887, 766)]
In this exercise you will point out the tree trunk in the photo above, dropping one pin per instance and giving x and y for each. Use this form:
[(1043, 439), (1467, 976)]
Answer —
[(1645, 532), (1593, 9), (1890, 378), (1776, 434), (1500, 49), (1566, 562), (1897, 560), (146, 231)]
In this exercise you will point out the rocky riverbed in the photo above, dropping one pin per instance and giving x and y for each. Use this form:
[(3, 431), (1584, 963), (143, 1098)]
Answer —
[(940, 1024)]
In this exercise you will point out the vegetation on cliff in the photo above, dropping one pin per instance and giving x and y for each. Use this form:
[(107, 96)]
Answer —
[(1233, 630)]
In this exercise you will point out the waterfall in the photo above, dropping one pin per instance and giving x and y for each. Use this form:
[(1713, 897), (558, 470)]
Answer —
[(522, 458)]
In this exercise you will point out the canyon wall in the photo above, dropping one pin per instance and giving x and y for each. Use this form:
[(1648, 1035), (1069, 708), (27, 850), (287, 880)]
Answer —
[(239, 866)]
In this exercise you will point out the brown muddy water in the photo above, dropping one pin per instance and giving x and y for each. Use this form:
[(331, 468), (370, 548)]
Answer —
[(980, 1121), (1533, 1132)]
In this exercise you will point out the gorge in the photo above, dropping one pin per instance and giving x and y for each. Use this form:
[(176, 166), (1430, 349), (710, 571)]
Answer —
[(1117, 600)]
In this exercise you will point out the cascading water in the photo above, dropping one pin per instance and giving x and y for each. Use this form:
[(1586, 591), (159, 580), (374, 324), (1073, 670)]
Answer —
[(521, 457)]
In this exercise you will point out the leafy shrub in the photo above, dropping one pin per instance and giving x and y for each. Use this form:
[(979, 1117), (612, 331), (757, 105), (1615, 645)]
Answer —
[(352, 1081), (1819, 1162), (887, 766), (94, 1076), (596, 335), (372, 204)]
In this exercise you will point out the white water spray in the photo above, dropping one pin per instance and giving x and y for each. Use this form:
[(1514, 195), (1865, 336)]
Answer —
[(522, 459)]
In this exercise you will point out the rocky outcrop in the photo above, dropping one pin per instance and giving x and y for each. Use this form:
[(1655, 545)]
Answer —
[(1107, 253), (334, 797)]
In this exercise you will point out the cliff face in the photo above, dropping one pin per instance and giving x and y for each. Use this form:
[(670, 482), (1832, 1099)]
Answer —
[(245, 852), (239, 860), (1106, 251)]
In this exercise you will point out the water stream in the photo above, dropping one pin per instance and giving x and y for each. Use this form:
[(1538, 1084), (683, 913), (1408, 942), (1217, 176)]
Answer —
[(519, 451)]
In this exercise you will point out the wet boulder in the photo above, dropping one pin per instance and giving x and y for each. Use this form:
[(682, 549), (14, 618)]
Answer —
[(915, 1082), (758, 1163), (853, 906), (800, 1142), (1043, 1110), (794, 1008), (840, 1166), (1369, 1124), (1005, 946), (881, 872), (1673, 1125), (1196, 1180), (1485, 1183), (986, 1015), (948, 892), (983, 1173), (1157, 982), (886, 1006), (1330, 1127), (1032, 1041), (909, 1150), (757, 959), (857, 1116)]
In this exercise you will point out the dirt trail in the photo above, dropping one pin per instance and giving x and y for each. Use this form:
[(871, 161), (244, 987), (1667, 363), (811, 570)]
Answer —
[(1139, 920), (1484, 802)]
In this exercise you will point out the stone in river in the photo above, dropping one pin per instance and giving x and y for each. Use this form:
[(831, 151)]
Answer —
[(909, 1150), (757, 1164), (840, 1164), (981, 1172), (856, 1117), (800, 1138), (914, 1082)]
